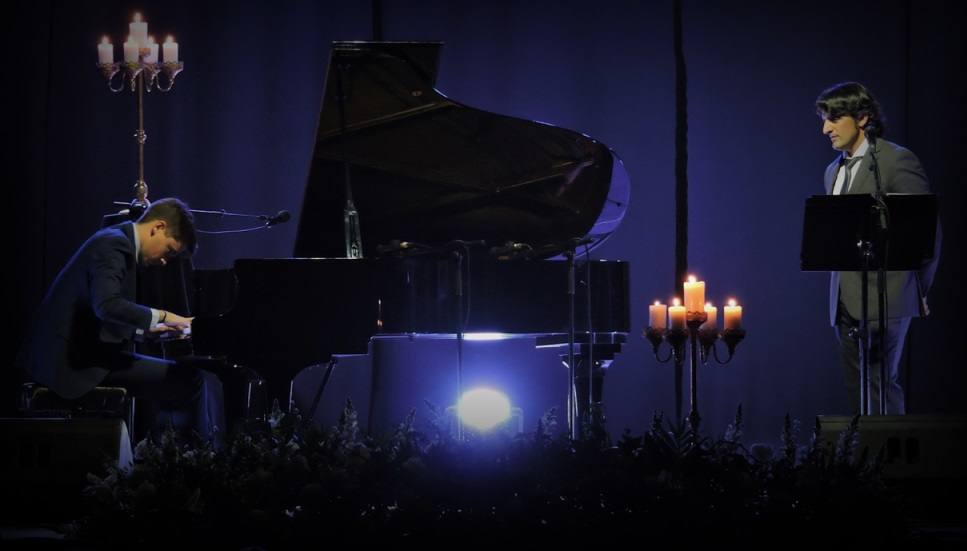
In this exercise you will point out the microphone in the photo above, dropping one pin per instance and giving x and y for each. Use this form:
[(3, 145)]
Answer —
[(509, 248), (871, 130), (395, 246), (280, 217)]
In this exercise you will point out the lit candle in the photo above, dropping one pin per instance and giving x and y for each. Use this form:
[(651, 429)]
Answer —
[(139, 30), (677, 315), (130, 51), (694, 295), (712, 321), (170, 50), (733, 315), (152, 56), (105, 51), (658, 315)]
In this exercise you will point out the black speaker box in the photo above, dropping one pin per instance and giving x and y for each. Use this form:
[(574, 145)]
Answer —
[(60, 451), (915, 446)]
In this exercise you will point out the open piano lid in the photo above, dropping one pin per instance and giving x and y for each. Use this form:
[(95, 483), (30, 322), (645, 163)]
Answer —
[(426, 169)]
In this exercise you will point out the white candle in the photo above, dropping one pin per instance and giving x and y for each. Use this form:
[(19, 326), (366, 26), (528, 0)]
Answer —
[(139, 30), (130, 51), (712, 321), (657, 315), (733, 315), (170, 50), (676, 313), (152, 56), (105, 51), (694, 295)]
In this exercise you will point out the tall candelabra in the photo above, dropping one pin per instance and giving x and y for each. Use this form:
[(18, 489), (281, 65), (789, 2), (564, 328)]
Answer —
[(695, 325), (140, 72)]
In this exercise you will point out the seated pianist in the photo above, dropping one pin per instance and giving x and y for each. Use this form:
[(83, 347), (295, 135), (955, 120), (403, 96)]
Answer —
[(83, 333)]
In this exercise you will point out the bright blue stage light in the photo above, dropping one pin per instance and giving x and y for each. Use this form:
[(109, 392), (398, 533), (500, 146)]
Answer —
[(483, 336), (483, 408)]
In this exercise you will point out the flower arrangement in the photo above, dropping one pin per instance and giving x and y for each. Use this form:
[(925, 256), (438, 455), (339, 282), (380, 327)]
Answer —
[(286, 482)]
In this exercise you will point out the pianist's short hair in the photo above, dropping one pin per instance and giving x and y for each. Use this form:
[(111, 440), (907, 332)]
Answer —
[(178, 217), (852, 99)]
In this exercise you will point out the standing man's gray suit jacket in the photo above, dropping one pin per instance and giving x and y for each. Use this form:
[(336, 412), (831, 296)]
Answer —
[(88, 316), (900, 172)]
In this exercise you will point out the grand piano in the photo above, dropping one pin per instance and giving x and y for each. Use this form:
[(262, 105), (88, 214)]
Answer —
[(423, 216)]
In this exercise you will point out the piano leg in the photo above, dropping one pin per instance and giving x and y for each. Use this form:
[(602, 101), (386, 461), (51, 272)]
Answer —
[(275, 391), (587, 391), (239, 387), (322, 387)]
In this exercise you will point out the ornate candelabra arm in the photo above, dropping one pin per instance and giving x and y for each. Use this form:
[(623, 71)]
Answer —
[(715, 353), (132, 70), (170, 70), (655, 337), (732, 338), (677, 339), (151, 71), (707, 338), (111, 70)]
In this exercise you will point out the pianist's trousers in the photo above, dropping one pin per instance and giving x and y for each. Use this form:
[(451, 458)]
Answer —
[(167, 393), (849, 355)]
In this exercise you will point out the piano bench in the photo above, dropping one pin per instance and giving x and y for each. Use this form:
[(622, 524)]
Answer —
[(103, 401)]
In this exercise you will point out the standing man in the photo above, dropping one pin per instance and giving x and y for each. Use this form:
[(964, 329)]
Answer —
[(850, 114), (83, 333)]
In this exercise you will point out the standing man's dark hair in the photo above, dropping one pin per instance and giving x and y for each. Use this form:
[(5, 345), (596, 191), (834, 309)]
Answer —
[(177, 215), (854, 100)]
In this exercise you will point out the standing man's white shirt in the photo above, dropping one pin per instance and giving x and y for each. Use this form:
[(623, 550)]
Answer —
[(841, 174)]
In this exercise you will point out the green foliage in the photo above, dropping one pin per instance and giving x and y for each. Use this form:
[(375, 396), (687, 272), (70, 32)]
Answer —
[(285, 481)]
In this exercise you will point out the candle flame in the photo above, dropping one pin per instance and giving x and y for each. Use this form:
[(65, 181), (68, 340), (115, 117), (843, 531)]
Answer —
[(170, 39), (105, 40), (708, 305), (731, 302), (150, 40), (657, 303), (691, 279), (137, 17), (676, 302)]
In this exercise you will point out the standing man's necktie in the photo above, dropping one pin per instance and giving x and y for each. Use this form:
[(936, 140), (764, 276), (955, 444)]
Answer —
[(849, 164)]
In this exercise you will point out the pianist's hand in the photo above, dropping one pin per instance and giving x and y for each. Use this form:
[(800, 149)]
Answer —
[(172, 322)]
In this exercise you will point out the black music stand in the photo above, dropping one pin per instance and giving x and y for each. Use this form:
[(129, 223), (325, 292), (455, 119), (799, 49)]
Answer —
[(841, 233)]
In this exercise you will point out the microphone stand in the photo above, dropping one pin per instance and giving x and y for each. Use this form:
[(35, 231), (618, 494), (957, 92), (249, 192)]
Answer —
[(135, 209), (870, 250), (353, 235), (881, 239), (459, 251), (270, 220), (458, 255), (572, 405)]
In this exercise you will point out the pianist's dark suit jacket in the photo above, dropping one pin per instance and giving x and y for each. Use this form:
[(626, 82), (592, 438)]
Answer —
[(900, 172), (88, 316)]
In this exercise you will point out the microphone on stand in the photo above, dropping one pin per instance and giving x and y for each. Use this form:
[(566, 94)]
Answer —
[(269, 220), (872, 131), (396, 246), (510, 249), (280, 217)]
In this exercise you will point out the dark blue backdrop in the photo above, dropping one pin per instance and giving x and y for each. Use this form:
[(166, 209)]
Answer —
[(237, 130)]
